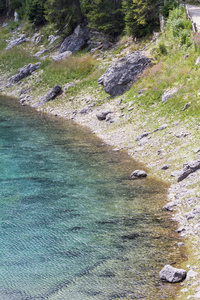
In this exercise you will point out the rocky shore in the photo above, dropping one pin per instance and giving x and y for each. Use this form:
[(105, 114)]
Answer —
[(163, 145)]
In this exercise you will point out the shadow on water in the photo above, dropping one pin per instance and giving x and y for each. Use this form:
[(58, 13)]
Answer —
[(73, 226)]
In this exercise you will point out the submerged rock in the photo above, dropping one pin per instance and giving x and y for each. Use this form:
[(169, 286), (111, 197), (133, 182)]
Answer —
[(8, 294), (52, 94), (24, 72), (120, 76), (172, 275)]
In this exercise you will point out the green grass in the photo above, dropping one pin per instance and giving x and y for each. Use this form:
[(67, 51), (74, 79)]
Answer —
[(13, 59), (71, 69)]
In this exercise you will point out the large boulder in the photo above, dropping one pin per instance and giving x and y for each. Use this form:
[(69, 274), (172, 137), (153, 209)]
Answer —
[(172, 275), (24, 72), (16, 42), (102, 115), (77, 40), (52, 94), (120, 76)]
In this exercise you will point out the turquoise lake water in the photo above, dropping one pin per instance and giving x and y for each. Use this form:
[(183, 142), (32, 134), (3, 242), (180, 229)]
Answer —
[(72, 224)]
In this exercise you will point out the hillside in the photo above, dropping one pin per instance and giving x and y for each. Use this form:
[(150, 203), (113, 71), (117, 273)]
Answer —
[(163, 135)]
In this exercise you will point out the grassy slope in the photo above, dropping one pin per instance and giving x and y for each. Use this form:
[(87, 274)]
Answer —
[(173, 65)]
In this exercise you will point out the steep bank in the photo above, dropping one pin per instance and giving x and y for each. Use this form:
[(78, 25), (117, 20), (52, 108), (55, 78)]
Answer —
[(171, 130)]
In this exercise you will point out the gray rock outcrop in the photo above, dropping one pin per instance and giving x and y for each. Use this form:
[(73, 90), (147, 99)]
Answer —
[(120, 76), (169, 94), (52, 94), (36, 38), (172, 275), (145, 134), (62, 56), (52, 39), (77, 40), (69, 85), (188, 168), (39, 53), (138, 174), (16, 42), (24, 72)]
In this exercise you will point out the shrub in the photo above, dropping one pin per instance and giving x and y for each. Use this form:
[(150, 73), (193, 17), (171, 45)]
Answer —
[(162, 48)]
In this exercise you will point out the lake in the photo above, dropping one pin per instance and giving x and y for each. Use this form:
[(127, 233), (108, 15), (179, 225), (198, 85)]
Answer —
[(72, 224)]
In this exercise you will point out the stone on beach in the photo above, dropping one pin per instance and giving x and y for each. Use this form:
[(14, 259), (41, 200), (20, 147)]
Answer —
[(102, 115), (172, 275), (52, 94), (138, 174)]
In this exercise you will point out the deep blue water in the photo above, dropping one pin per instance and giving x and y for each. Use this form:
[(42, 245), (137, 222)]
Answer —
[(72, 224)]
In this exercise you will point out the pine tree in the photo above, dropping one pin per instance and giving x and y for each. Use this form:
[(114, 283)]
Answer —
[(64, 13), (141, 16), (105, 15), (35, 11)]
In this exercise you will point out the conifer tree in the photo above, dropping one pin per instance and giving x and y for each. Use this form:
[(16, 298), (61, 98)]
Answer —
[(64, 13), (35, 11), (141, 16), (105, 15)]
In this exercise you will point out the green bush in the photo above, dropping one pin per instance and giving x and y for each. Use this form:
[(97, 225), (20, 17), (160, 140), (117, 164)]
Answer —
[(178, 24), (185, 38), (162, 48), (171, 5)]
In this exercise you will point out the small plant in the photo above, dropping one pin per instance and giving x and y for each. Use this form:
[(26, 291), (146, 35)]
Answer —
[(162, 48), (196, 41)]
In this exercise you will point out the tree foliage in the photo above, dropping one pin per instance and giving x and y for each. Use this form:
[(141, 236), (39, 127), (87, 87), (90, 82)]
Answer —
[(141, 16), (105, 15), (63, 12), (35, 11), (112, 17)]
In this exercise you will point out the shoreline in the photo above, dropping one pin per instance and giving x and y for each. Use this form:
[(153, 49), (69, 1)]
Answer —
[(120, 133)]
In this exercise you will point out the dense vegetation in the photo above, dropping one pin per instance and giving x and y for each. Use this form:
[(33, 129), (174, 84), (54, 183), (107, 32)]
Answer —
[(112, 17)]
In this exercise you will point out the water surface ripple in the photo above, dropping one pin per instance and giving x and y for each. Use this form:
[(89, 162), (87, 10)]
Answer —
[(72, 224)]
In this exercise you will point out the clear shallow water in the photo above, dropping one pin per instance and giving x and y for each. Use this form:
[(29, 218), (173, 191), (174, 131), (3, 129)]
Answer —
[(72, 225)]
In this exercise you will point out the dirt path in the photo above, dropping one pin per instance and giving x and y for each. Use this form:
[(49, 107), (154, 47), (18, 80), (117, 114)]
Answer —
[(194, 12)]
